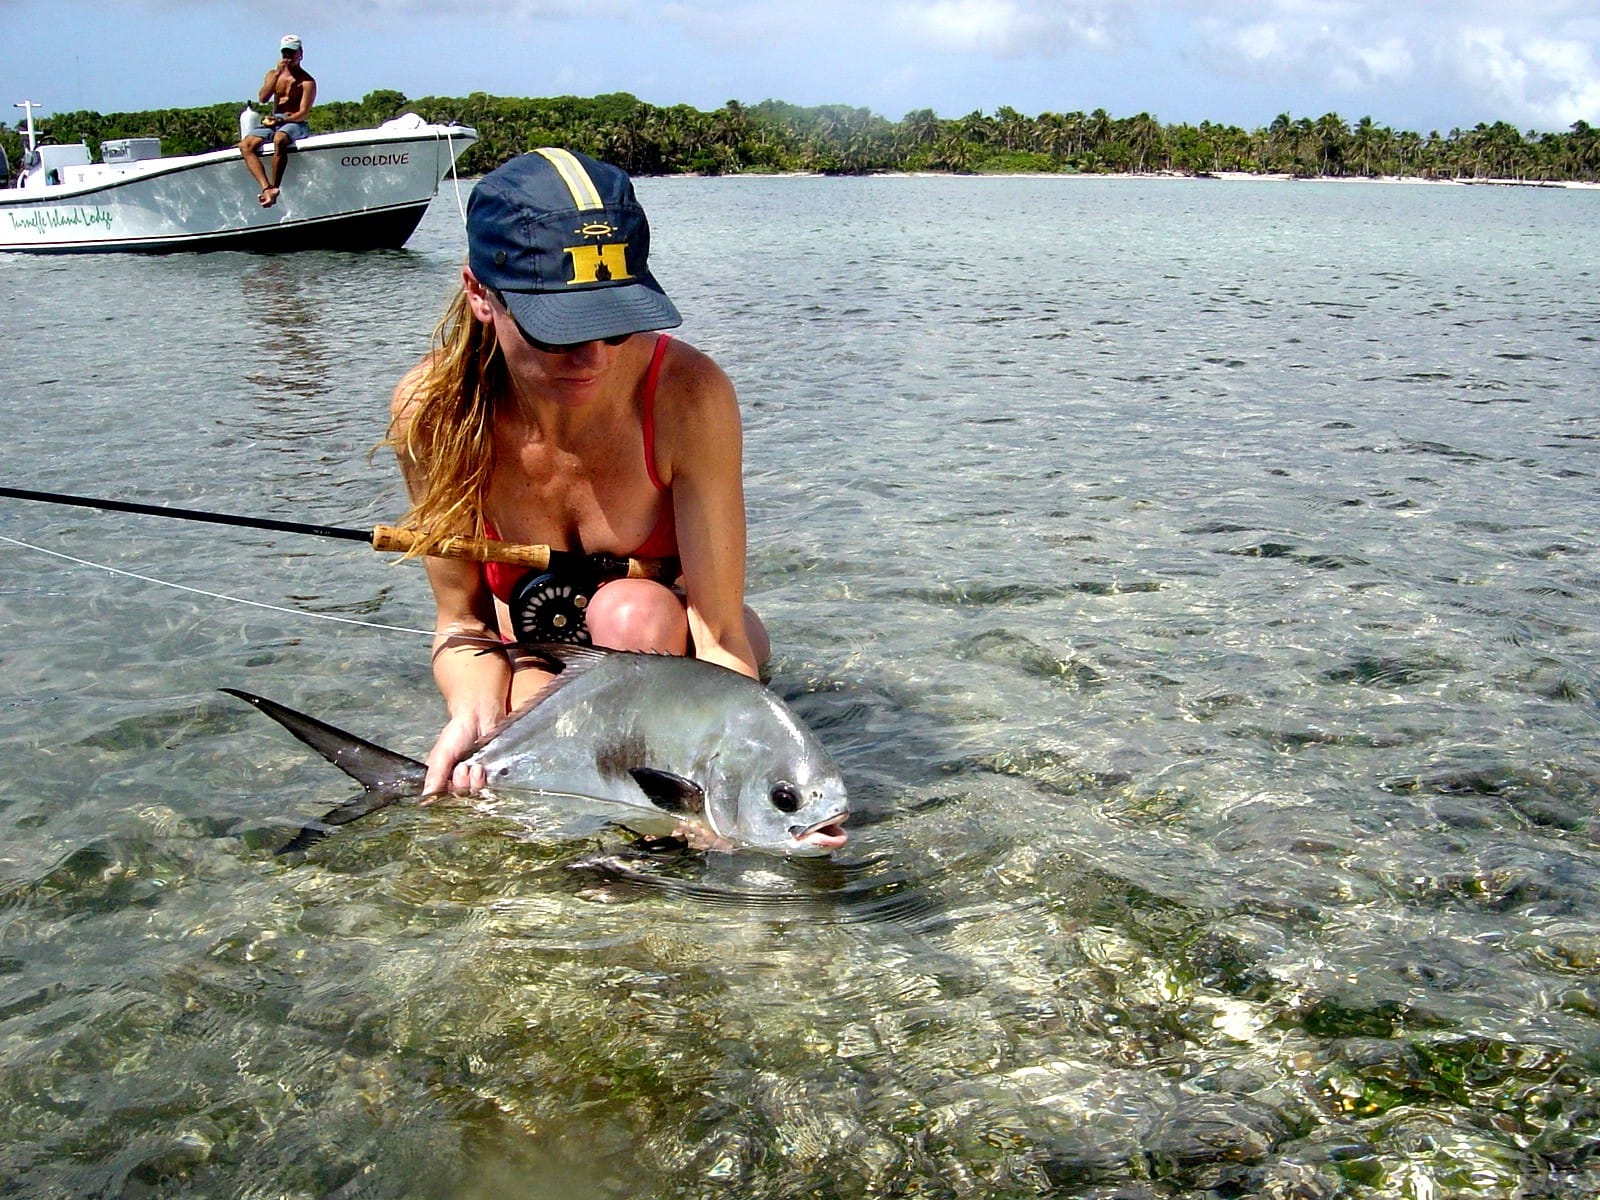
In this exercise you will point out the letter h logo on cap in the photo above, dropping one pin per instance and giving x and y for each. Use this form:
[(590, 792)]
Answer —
[(605, 263), (592, 262)]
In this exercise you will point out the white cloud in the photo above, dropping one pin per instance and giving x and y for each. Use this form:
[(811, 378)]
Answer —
[(1359, 67), (747, 24), (1553, 82), (1300, 40), (1007, 28), (554, 10), (1528, 61), (1538, 60)]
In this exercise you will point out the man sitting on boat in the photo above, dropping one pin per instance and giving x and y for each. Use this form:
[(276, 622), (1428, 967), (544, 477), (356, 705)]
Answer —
[(292, 93)]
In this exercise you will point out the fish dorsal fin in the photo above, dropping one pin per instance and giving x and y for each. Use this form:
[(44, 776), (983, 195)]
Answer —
[(569, 662), (566, 658), (569, 658), (672, 793)]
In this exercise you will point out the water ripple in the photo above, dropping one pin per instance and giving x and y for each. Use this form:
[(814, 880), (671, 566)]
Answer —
[(1210, 656)]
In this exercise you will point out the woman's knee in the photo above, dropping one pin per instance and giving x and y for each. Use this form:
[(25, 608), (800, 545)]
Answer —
[(638, 614), (760, 641)]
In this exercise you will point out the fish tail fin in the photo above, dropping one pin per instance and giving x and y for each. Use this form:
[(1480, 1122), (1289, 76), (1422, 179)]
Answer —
[(314, 831), (374, 768)]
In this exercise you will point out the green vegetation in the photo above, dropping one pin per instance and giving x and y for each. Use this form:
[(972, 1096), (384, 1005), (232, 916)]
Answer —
[(836, 139)]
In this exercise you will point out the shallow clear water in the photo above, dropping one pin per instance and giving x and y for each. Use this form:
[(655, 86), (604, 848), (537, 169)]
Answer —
[(1196, 582)]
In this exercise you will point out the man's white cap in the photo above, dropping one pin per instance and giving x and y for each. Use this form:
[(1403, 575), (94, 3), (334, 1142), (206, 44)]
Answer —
[(291, 41)]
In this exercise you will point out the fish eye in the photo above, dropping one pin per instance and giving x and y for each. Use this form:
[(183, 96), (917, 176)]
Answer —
[(785, 797)]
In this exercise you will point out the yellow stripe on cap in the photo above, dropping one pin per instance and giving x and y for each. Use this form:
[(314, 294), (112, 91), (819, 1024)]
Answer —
[(584, 194)]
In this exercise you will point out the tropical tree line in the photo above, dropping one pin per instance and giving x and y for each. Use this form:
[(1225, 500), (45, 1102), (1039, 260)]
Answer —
[(837, 139)]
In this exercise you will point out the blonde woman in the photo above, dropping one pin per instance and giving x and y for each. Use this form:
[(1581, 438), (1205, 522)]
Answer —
[(553, 411)]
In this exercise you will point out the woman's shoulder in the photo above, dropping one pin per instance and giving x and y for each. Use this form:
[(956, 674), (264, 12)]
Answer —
[(411, 390), (691, 380), (696, 415)]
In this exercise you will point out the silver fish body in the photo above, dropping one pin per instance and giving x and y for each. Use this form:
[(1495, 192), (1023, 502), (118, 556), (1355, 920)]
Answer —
[(681, 742)]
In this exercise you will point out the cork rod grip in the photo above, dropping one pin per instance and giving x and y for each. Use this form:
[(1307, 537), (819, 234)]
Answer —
[(395, 540)]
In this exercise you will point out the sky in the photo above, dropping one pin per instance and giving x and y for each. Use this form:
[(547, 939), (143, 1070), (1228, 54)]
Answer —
[(1419, 65)]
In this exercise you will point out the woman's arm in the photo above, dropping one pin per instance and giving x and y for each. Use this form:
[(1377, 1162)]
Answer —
[(469, 662), (700, 457)]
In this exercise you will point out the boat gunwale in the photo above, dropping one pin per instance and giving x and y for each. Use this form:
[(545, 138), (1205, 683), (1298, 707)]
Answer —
[(176, 164)]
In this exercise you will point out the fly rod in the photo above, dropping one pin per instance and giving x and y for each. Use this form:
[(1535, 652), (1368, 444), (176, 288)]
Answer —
[(386, 538)]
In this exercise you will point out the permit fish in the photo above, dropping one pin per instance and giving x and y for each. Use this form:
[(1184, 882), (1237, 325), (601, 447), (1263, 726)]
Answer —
[(680, 742)]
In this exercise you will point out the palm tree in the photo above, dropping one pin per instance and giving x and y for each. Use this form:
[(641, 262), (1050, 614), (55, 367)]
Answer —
[(1332, 134), (1279, 149), (1056, 136), (1584, 150), (1408, 152), (953, 153), (1098, 128), (1364, 137), (976, 128), (1014, 129), (919, 127), (730, 132), (1146, 141)]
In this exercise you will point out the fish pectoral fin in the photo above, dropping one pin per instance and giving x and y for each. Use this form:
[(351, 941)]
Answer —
[(670, 793), (654, 845)]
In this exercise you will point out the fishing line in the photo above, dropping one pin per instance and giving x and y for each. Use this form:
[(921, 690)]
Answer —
[(383, 538), (183, 587)]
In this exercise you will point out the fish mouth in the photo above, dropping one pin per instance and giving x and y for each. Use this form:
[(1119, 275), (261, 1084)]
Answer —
[(825, 835)]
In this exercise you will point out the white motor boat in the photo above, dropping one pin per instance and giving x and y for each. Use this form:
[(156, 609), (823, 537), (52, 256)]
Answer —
[(363, 189)]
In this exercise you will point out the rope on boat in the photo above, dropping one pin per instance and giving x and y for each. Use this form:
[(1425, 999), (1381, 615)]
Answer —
[(297, 612), (450, 144)]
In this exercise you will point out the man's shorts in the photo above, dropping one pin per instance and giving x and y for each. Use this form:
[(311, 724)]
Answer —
[(295, 129)]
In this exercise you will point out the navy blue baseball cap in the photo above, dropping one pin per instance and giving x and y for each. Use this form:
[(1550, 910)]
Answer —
[(563, 240)]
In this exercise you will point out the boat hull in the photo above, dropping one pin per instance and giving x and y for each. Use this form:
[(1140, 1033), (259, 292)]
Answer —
[(359, 190)]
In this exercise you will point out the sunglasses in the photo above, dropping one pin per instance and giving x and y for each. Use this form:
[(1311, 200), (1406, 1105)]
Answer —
[(553, 347), (566, 347)]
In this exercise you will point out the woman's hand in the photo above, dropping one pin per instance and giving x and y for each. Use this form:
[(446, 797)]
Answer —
[(446, 771)]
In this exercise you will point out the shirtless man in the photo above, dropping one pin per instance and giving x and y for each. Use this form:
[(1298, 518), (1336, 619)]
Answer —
[(292, 93)]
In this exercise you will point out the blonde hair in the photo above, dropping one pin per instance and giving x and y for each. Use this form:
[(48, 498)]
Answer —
[(448, 424)]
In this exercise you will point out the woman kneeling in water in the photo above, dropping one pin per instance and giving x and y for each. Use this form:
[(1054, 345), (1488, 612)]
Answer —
[(552, 411)]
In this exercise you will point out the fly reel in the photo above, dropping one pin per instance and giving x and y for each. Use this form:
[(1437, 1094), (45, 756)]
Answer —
[(549, 606)]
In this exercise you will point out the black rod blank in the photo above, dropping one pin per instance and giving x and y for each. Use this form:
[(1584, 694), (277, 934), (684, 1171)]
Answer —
[(193, 514)]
